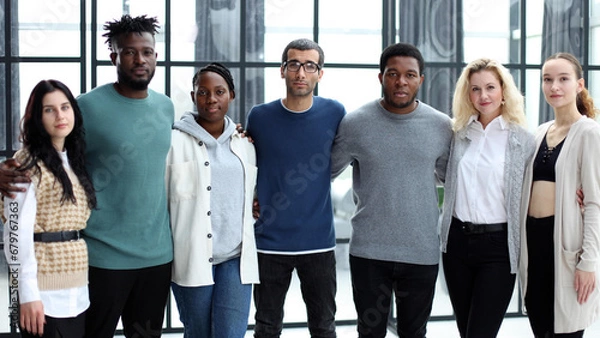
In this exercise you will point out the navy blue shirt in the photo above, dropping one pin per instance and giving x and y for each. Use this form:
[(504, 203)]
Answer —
[(293, 153)]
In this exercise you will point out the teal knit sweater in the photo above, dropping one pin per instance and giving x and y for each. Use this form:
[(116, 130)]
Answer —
[(127, 144)]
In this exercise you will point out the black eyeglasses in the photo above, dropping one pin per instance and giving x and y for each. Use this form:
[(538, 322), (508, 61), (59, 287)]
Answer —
[(294, 66)]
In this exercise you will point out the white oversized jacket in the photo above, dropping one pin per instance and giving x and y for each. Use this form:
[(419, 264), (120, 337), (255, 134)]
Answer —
[(576, 235), (189, 205)]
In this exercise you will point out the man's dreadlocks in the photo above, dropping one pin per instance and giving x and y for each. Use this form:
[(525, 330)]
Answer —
[(126, 25)]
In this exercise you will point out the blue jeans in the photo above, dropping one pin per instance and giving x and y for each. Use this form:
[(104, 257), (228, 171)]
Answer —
[(374, 282), (215, 311), (318, 286)]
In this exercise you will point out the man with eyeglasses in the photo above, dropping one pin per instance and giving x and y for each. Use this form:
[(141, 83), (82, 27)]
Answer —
[(293, 138)]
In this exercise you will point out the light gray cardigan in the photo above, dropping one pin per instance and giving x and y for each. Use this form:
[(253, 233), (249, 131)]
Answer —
[(520, 149)]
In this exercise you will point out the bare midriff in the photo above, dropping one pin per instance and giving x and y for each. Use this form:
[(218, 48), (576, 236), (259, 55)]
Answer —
[(541, 203)]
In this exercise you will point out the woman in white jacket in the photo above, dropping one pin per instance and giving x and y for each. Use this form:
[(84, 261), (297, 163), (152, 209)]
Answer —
[(211, 175), (560, 249)]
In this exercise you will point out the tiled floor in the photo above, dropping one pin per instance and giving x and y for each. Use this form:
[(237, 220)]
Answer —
[(511, 328)]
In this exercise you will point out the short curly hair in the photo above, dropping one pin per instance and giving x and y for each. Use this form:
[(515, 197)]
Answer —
[(127, 24)]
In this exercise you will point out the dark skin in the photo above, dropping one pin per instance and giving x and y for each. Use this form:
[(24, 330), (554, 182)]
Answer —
[(135, 59), (9, 176)]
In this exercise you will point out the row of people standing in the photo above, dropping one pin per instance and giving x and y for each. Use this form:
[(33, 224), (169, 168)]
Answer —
[(510, 203), (399, 148)]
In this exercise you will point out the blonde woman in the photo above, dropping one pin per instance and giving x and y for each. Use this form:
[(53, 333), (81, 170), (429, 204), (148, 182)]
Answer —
[(480, 225)]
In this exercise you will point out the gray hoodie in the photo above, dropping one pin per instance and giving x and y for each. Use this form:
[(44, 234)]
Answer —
[(226, 186)]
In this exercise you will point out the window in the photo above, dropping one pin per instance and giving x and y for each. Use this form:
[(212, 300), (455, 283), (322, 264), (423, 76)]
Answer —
[(62, 39)]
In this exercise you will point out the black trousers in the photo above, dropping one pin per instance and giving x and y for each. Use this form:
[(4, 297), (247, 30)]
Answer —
[(136, 296), (539, 296), (480, 285), (375, 282), (73, 327)]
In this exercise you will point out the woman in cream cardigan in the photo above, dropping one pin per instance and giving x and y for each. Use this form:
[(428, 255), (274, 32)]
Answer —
[(211, 175), (561, 241)]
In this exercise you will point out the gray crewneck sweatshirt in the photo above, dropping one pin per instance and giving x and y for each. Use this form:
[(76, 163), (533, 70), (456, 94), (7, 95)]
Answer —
[(227, 186), (397, 161)]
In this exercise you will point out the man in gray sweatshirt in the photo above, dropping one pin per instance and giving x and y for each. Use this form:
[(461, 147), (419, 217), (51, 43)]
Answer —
[(398, 148)]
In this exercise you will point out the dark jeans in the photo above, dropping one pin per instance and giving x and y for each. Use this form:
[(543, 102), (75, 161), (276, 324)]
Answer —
[(73, 327), (539, 296), (136, 296), (480, 285), (318, 286), (372, 284)]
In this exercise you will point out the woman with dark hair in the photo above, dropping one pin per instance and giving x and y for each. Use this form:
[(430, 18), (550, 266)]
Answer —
[(42, 225), (211, 175), (560, 251)]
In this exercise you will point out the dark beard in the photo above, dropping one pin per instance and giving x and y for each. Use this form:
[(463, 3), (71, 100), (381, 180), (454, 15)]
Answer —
[(402, 105), (132, 83)]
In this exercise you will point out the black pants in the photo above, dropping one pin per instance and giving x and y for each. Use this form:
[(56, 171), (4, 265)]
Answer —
[(317, 275), (480, 285), (539, 297), (73, 327), (373, 284), (137, 296)]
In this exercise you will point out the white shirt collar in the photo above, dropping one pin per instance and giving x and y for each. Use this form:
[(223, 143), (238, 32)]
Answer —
[(500, 119)]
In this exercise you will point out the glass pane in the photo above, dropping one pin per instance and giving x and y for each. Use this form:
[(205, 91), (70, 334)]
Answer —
[(181, 86), (184, 31), (45, 27), (110, 10), (108, 74), (534, 24), (432, 27), (284, 22), (438, 88), (532, 97), (516, 75), (2, 34), (274, 86), (344, 23), (255, 30), (206, 30), (594, 54), (593, 85), (3, 126), (334, 85), (487, 30)]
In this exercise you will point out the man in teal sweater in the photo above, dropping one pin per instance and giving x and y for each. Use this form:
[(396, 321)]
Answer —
[(128, 134)]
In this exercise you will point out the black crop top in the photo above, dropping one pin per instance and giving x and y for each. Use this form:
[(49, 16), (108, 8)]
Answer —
[(545, 162)]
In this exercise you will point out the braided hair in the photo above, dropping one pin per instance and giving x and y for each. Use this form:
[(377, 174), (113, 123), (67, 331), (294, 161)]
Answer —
[(218, 68)]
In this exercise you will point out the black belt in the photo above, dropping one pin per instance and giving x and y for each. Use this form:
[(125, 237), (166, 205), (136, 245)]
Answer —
[(469, 228), (59, 236)]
